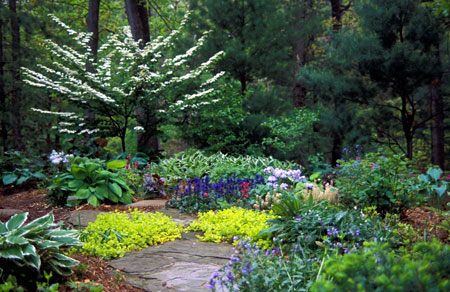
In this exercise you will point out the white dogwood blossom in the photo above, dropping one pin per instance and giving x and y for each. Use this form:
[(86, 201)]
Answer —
[(126, 76)]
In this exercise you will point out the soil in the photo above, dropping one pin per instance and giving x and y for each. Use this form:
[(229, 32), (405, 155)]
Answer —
[(94, 270)]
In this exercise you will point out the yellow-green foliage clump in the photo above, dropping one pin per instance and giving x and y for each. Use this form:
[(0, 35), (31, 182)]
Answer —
[(114, 234), (225, 224)]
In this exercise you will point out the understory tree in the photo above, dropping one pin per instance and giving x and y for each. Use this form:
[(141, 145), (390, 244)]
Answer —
[(126, 76)]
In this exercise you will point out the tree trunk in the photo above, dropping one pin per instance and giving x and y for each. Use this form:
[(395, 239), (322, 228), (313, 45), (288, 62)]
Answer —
[(437, 125), (15, 86), (138, 20), (298, 56), (336, 14), (4, 130), (92, 26)]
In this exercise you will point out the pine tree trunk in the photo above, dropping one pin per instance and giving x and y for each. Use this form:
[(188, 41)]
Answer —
[(336, 14), (16, 91), (4, 130), (92, 26), (437, 125)]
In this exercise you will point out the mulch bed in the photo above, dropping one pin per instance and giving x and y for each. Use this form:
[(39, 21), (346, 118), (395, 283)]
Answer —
[(94, 269)]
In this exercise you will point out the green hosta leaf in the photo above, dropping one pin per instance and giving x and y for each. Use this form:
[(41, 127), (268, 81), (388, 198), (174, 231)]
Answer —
[(116, 164), (91, 167), (113, 198), (38, 174), (102, 192), (424, 178), (22, 179), (16, 221), (43, 222), (11, 253), (75, 184), (83, 193), (435, 173), (47, 244), (16, 240), (78, 172), (9, 179), (116, 189), (93, 201), (440, 190), (31, 257)]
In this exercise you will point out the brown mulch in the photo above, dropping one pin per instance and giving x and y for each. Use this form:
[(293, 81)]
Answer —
[(425, 220), (94, 270)]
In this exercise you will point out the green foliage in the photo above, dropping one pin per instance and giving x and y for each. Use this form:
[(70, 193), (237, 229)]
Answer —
[(225, 224), (20, 175), (217, 126), (387, 182), (89, 286), (114, 234), (315, 226), (26, 250), (435, 188), (87, 179), (191, 164), (377, 268), (290, 131)]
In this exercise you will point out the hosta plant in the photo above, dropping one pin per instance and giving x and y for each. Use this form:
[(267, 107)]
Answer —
[(87, 179), (27, 250)]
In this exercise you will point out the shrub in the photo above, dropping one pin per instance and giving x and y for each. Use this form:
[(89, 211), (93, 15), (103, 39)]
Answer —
[(384, 182), (229, 224), (377, 268), (27, 250), (87, 179), (201, 195), (114, 234)]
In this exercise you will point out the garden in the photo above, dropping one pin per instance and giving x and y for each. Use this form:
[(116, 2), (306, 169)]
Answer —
[(350, 228), (255, 145)]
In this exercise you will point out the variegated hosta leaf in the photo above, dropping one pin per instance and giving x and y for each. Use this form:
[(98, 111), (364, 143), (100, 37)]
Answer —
[(16, 240), (16, 221), (12, 253), (3, 228)]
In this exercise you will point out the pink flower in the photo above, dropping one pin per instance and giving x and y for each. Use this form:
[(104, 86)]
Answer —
[(246, 196), (357, 157), (205, 195), (128, 156), (136, 164)]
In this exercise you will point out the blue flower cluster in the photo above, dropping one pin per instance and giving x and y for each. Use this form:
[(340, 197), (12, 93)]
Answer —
[(278, 174), (231, 186)]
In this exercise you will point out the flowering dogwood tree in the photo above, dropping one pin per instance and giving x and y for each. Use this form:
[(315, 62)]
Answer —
[(127, 77)]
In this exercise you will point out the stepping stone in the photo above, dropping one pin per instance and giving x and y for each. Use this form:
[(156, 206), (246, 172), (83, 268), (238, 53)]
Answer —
[(181, 265), (149, 203), (82, 218), (178, 217)]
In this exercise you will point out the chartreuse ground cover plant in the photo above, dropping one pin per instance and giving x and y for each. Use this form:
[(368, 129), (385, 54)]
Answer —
[(27, 250), (379, 268), (231, 224), (114, 234), (88, 180), (201, 195)]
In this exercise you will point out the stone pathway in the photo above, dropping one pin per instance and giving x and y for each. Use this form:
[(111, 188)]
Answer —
[(181, 265)]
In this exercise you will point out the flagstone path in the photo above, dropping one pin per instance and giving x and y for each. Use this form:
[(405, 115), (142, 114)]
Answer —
[(181, 265)]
